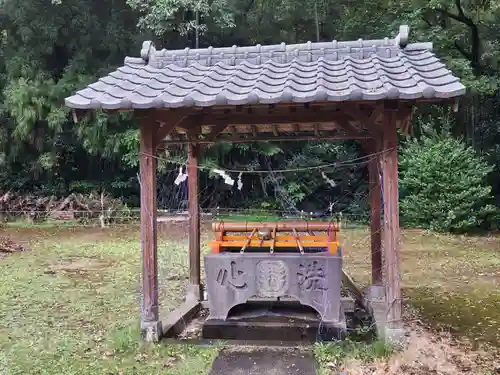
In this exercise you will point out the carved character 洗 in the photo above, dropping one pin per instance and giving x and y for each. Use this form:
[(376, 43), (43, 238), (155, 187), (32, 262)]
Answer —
[(312, 278)]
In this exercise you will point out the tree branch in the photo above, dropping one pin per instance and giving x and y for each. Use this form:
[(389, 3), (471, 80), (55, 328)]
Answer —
[(460, 17), (474, 56), (248, 7), (466, 54), (427, 21), (451, 15), (461, 13)]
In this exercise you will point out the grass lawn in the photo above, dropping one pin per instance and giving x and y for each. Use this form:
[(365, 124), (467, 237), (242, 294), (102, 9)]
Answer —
[(69, 305), (454, 281)]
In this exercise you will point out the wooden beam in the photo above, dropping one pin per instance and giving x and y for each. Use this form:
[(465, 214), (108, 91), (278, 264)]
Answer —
[(277, 107), (355, 291), (372, 147), (391, 222), (147, 165), (270, 139), (282, 117), (194, 222)]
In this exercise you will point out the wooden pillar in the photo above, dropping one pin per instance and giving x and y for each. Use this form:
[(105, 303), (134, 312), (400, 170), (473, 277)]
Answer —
[(391, 222), (375, 204), (194, 223), (150, 324)]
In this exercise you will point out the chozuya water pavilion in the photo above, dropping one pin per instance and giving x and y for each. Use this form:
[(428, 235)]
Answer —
[(363, 90)]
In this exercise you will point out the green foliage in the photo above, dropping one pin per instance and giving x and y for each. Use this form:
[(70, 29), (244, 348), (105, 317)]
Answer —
[(162, 16), (49, 49), (443, 185)]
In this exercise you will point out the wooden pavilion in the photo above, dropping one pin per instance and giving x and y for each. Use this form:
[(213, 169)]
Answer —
[(363, 90)]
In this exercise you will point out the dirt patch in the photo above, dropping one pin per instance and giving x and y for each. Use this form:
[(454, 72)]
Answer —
[(179, 230), (430, 352), (9, 246), (78, 266), (194, 328), (26, 235)]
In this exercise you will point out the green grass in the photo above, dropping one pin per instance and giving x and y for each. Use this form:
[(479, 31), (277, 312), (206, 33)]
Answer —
[(453, 281), (70, 306), (331, 356)]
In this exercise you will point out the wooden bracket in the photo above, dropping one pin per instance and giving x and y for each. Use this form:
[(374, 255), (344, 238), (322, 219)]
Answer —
[(404, 117), (215, 131), (369, 122), (78, 114), (344, 124)]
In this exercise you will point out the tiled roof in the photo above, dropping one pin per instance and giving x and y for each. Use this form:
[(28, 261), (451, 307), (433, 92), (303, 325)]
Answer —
[(332, 71)]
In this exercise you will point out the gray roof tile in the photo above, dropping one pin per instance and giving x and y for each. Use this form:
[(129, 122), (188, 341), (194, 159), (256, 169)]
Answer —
[(333, 71)]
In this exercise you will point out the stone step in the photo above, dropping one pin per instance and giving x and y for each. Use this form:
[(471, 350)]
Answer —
[(259, 361)]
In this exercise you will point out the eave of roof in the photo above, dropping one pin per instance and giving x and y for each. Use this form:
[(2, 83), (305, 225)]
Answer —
[(301, 73)]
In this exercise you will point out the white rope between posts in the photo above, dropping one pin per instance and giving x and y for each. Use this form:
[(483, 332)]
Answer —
[(346, 163)]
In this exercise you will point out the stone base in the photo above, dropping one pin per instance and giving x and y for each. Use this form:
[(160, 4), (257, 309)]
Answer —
[(313, 279), (151, 331), (283, 331), (374, 298)]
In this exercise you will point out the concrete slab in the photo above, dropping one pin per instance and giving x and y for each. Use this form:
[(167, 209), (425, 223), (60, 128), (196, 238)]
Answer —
[(264, 361)]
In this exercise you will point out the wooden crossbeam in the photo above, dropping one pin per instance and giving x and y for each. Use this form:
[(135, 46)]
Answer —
[(270, 139), (282, 117)]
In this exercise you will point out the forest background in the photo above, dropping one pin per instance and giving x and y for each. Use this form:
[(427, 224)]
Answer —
[(449, 167)]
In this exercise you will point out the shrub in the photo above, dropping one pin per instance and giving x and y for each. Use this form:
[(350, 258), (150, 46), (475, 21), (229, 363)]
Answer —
[(443, 186)]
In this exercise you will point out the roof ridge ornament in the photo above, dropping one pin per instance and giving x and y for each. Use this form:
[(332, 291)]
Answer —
[(403, 36), (148, 49)]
